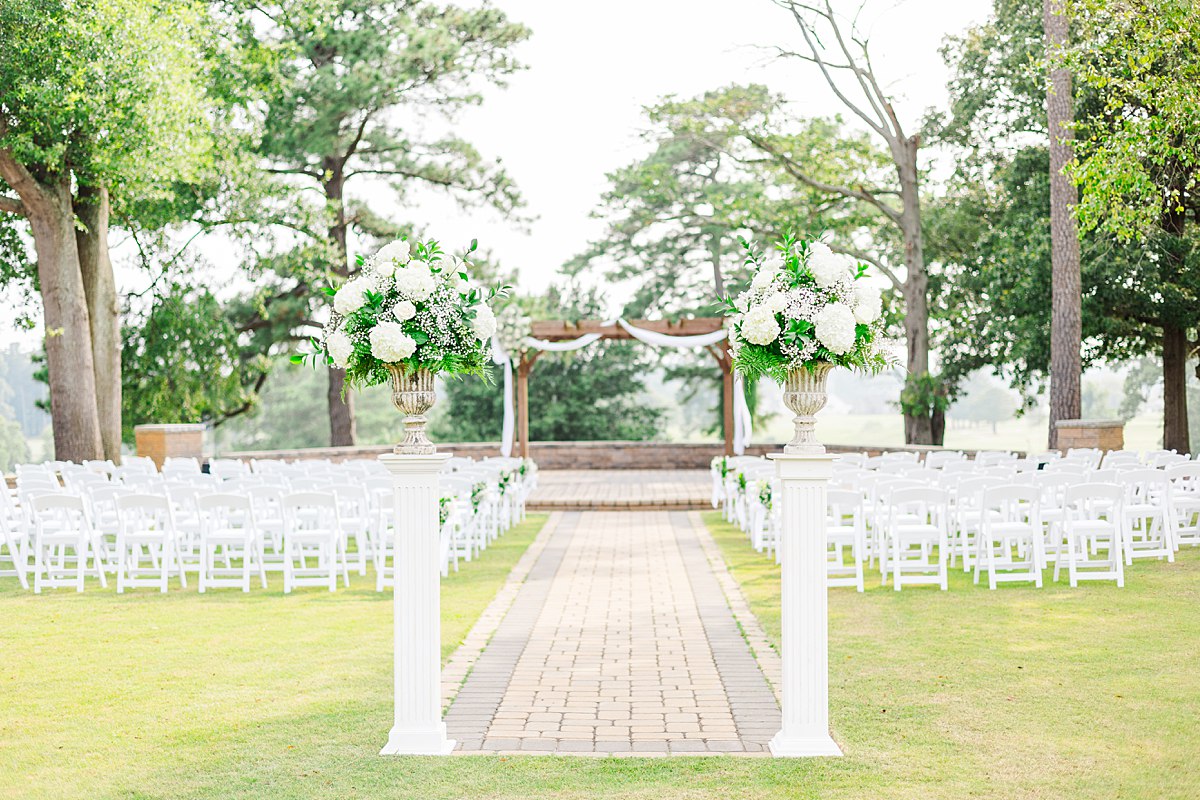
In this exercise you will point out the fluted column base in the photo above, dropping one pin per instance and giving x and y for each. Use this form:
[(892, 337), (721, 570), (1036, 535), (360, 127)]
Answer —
[(820, 744)]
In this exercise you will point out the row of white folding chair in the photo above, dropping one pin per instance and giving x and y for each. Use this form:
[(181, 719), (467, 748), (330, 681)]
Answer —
[(65, 541)]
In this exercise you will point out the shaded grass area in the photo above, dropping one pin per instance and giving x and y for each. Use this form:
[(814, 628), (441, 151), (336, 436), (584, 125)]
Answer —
[(1015, 693), (1018, 692)]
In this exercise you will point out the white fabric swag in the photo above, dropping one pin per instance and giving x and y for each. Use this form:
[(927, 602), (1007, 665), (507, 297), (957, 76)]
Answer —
[(742, 426)]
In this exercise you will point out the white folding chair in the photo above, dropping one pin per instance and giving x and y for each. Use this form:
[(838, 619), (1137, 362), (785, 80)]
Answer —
[(62, 543), (1092, 526), (915, 526), (1184, 500), (227, 531), (1009, 544), (355, 518), (845, 537), (1146, 523), (13, 548), (313, 533), (146, 533)]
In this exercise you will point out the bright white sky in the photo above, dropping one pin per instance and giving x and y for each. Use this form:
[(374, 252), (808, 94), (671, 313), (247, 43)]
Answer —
[(576, 112)]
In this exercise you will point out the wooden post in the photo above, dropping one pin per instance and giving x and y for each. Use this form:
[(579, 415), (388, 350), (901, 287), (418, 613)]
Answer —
[(524, 367), (721, 353)]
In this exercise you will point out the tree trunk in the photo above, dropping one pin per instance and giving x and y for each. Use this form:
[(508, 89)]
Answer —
[(100, 291), (1065, 292), (1175, 411), (68, 333), (918, 426), (937, 424), (342, 428), (342, 425)]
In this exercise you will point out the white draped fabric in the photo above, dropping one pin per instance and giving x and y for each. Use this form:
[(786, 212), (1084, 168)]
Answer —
[(501, 356), (666, 340), (742, 428)]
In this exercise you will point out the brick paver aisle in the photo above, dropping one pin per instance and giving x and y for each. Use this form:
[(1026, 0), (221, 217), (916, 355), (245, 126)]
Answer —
[(620, 641), (596, 489)]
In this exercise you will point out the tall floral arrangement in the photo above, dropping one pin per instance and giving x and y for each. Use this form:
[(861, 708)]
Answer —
[(806, 305), (411, 306)]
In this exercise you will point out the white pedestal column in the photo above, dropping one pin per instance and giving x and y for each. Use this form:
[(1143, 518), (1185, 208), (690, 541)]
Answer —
[(418, 728), (805, 608)]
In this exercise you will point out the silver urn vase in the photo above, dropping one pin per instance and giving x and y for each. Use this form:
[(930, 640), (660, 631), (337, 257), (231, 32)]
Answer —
[(804, 394), (413, 394)]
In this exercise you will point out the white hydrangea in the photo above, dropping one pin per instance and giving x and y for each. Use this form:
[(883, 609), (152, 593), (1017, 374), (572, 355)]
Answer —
[(868, 303), (340, 348), (777, 302), (404, 311), (826, 266), (390, 344), (759, 326), (395, 254), (771, 267), (352, 295), (835, 328), (415, 282), (484, 323)]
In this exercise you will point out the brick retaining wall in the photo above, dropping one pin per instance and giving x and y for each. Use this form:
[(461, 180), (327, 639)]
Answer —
[(577, 455)]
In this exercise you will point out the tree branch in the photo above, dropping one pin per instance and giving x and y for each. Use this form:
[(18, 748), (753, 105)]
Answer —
[(13, 205), (20, 179), (875, 262), (876, 125), (793, 169)]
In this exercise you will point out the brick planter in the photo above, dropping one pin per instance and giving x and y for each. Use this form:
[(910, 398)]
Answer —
[(161, 442), (1102, 434)]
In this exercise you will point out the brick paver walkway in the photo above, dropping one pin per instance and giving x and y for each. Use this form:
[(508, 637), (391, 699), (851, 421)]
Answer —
[(567, 489), (621, 641)]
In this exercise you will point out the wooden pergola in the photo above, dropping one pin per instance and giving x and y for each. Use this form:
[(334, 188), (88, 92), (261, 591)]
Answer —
[(559, 330)]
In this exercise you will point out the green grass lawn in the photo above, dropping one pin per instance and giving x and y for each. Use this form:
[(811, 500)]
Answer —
[(1014, 693), (1020, 692)]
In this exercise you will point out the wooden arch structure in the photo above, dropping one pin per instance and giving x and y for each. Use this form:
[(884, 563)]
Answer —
[(559, 330)]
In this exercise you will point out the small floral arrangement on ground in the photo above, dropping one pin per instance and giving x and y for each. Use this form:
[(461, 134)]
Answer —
[(410, 305), (805, 305), (513, 327)]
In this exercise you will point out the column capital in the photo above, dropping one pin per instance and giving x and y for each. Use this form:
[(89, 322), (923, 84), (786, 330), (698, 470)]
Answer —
[(807, 466), (414, 465)]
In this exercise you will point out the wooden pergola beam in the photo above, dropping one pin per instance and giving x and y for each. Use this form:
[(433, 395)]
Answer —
[(554, 330), (561, 330)]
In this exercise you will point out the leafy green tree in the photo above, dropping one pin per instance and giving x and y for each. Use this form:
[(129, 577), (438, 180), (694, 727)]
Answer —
[(1138, 166), (99, 104), (351, 79), (992, 230), (182, 363)]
